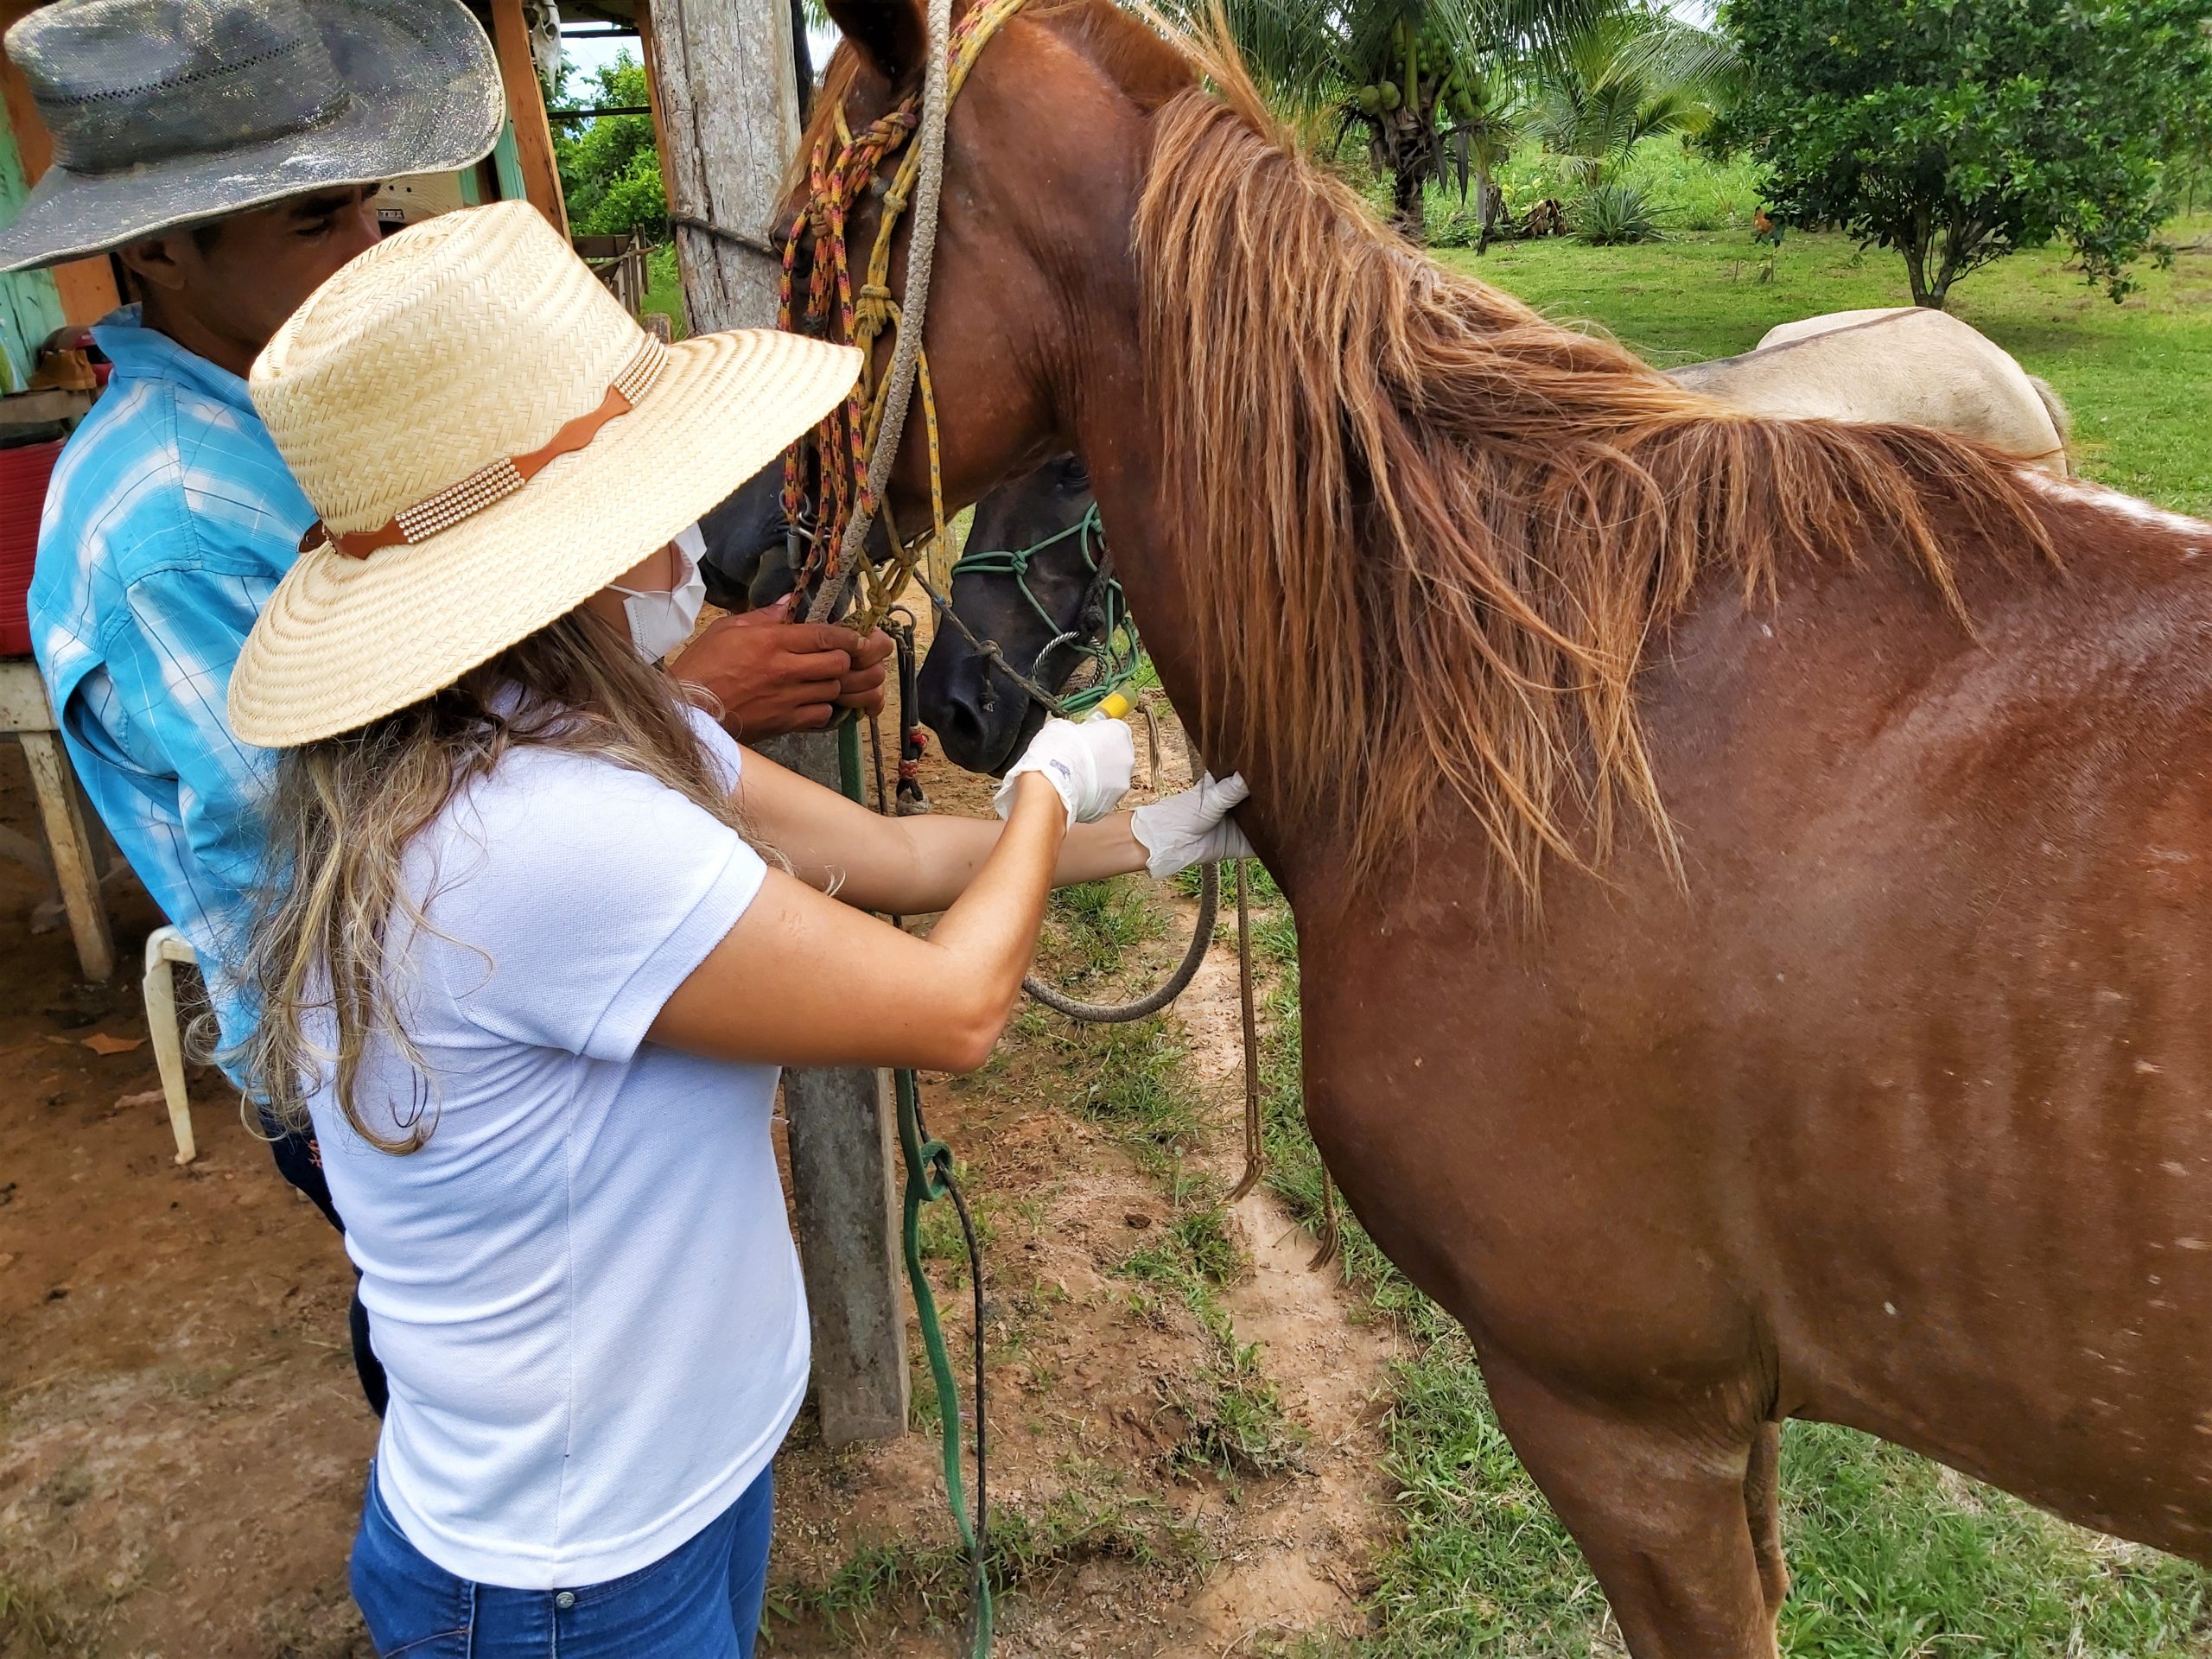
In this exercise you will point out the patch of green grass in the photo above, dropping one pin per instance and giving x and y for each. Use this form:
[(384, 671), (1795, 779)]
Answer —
[(1030, 1547), (1233, 1416), (1235, 1421), (1098, 924), (941, 1238), (665, 289), (1894, 1556), (1137, 1079), (35, 1624), (1484, 1566), (1686, 189), (1194, 1254), (2137, 377)]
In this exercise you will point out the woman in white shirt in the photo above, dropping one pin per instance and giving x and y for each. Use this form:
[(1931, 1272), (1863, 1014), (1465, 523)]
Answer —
[(524, 971)]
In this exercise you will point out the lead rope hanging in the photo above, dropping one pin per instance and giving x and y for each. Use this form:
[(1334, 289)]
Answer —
[(929, 1177)]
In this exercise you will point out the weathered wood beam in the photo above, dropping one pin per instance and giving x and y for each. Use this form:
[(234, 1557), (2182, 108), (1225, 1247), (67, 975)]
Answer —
[(726, 104), (541, 173), (729, 126), (85, 288)]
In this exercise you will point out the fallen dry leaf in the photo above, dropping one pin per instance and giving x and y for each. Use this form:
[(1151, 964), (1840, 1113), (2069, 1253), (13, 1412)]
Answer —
[(100, 1043)]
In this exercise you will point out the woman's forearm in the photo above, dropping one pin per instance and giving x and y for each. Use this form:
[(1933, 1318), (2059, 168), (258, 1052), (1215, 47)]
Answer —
[(803, 980), (905, 867), (990, 927), (946, 853)]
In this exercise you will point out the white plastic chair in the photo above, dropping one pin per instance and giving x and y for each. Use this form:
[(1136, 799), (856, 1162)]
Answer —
[(165, 948)]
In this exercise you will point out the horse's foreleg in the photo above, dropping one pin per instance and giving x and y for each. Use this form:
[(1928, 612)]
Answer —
[(1662, 1517), (1763, 1503)]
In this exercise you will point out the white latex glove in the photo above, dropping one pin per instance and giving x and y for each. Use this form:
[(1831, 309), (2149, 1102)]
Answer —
[(1194, 827), (1089, 763)]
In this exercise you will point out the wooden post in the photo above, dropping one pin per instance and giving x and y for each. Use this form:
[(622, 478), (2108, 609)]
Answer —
[(533, 133), (727, 103), (25, 711), (729, 118)]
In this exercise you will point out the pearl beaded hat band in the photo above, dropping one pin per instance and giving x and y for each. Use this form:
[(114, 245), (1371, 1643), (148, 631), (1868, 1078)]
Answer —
[(502, 477), (489, 439)]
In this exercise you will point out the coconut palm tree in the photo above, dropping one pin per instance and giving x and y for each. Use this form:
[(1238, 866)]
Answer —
[(1485, 126), (1432, 83), (1620, 78)]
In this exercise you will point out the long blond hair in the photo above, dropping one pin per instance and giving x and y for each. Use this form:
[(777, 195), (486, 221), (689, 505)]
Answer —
[(344, 811)]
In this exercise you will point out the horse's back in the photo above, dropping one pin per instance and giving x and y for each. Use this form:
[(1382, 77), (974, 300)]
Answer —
[(1908, 364), (1828, 322)]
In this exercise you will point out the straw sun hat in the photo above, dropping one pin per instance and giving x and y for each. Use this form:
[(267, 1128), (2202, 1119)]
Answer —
[(490, 439)]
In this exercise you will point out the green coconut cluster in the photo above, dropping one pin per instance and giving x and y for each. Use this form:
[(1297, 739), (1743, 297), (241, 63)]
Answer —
[(1423, 73)]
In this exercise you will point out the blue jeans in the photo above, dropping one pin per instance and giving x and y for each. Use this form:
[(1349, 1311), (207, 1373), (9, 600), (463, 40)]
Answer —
[(701, 1600)]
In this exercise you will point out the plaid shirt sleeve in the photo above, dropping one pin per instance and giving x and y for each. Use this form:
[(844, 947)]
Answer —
[(168, 658)]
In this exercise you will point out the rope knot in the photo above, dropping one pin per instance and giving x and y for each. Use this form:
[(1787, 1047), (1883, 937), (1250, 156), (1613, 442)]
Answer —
[(871, 311)]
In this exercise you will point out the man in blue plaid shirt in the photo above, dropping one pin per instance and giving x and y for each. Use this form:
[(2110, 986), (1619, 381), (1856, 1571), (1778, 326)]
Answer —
[(225, 152)]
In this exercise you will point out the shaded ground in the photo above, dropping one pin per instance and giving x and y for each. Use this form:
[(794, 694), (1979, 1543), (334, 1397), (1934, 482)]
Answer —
[(182, 1439)]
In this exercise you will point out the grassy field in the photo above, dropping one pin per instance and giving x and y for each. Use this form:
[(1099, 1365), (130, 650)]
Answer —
[(2137, 376)]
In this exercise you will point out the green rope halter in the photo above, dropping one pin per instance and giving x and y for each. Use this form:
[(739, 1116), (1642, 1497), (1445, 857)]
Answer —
[(1116, 656)]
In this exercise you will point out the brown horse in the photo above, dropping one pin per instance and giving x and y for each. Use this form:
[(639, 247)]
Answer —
[(1753, 877)]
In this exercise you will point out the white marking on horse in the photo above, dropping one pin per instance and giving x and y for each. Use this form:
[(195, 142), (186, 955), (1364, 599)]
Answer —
[(2123, 505)]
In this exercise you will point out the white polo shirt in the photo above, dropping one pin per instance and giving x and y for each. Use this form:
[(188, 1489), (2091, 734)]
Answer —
[(583, 1286)]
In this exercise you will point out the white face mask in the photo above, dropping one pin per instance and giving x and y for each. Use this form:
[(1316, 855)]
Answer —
[(660, 621)]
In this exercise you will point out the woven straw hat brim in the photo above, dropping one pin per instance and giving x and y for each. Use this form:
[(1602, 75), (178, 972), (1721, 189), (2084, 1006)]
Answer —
[(426, 98), (343, 641)]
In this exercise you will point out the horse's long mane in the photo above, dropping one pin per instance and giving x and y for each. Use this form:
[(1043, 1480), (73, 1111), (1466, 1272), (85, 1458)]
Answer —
[(1427, 536)]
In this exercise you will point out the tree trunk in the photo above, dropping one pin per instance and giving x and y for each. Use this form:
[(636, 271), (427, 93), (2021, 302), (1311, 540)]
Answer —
[(1916, 259), (802, 60), (1916, 273), (1409, 211), (1487, 199)]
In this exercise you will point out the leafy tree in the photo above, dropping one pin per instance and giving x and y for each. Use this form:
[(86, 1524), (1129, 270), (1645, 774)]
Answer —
[(1956, 131), (1486, 127), (610, 167)]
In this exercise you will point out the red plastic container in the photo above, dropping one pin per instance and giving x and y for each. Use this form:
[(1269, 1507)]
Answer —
[(23, 475)]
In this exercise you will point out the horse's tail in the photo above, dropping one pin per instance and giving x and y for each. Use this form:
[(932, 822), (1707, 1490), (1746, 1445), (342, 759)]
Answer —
[(2061, 419)]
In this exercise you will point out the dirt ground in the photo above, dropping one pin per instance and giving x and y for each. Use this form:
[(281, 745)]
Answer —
[(182, 1441)]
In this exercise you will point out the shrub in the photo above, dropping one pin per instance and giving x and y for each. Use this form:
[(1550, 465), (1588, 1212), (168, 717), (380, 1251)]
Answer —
[(1614, 215)]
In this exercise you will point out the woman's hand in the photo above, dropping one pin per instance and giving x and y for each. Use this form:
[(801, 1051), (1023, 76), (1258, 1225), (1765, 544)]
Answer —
[(1088, 762), (1194, 827)]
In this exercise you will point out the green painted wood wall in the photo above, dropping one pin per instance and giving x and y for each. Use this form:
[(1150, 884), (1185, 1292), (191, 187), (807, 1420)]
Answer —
[(29, 308)]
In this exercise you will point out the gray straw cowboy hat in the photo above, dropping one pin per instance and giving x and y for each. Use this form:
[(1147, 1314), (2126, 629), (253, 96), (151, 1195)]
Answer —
[(165, 112), (490, 439)]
